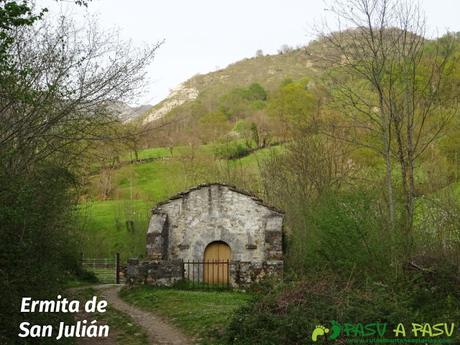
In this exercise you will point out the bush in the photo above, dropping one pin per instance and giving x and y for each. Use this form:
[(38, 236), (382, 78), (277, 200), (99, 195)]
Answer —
[(231, 150), (289, 313), (345, 265), (86, 276), (255, 92), (37, 248), (344, 232)]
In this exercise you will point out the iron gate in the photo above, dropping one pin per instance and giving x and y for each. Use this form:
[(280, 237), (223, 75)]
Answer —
[(207, 274)]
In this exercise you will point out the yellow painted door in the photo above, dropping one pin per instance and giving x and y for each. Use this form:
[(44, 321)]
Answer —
[(216, 258)]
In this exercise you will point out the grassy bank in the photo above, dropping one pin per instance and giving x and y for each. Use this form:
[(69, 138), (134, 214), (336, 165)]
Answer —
[(113, 226)]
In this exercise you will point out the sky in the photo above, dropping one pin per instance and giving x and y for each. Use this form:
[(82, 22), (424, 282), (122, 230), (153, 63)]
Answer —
[(204, 35)]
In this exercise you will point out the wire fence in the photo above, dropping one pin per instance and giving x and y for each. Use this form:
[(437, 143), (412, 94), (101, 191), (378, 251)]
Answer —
[(107, 270)]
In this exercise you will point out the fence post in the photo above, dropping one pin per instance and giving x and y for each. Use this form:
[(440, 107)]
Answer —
[(117, 269), (183, 270), (228, 273)]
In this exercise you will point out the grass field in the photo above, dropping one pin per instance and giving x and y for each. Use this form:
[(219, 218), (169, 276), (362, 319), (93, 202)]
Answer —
[(154, 152), (201, 314), (113, 226), (165, 152)]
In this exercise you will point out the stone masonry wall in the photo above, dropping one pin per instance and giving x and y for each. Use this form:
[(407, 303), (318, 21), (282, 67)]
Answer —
[(167, 273), (183, 227), (154, 272)]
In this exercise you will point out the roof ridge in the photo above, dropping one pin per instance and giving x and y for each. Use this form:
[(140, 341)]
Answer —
[(231, 187)]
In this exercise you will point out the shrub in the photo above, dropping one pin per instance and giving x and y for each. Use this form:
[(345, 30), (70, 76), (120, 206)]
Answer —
[(344, 232), (345, 265), (289, 313), (255, 92), (37, 244), (231, 150)]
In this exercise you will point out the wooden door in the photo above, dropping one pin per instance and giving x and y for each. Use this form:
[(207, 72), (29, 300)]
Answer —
[(216, 263)]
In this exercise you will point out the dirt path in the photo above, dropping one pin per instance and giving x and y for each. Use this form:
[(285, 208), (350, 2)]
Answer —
[(158, 331)]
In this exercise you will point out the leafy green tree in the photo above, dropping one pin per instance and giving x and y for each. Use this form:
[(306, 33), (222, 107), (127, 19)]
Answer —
[(291, 105), (212, 126), (13, 15), (234, 103), (244, 128), (255, 92), (242, 101), (17, 14)]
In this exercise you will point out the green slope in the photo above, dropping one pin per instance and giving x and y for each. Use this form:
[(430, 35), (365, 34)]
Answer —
[(269, 71)]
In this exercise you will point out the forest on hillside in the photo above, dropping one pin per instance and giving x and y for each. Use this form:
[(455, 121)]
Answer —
[(355, 136)]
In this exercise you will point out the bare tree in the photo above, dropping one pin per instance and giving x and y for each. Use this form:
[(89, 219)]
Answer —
[(59, 87), (311, 166), (389, 85)]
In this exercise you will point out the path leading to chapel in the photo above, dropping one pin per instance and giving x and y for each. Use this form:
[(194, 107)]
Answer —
[(158, 330)]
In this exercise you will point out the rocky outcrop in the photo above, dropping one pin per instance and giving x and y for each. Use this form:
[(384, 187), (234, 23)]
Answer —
[(177, 97)]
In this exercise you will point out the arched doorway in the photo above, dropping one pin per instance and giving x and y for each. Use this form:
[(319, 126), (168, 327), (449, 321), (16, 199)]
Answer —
[(216, 263)]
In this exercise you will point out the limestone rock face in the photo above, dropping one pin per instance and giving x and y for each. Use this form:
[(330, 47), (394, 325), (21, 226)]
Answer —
[(179, 95)]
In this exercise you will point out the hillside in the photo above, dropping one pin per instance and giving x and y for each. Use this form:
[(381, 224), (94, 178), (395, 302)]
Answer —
[(268, 70), (126, 113), (228, 124)]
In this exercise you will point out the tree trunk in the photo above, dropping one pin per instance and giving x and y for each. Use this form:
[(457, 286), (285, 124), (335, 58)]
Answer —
[(410, 171), (388, 166)]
